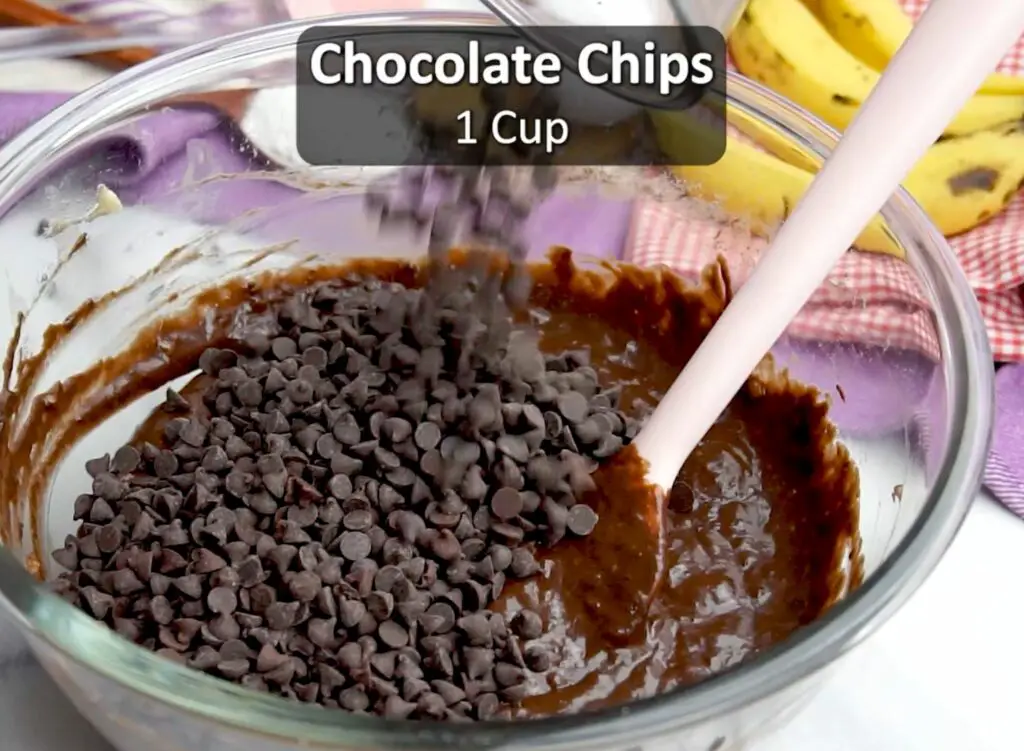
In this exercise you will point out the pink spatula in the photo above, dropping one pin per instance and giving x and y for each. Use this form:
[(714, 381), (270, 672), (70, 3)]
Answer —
[(953, 47)]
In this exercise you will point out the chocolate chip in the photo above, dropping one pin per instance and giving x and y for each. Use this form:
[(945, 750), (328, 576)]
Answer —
[(478, 661), (538, 658), (109, 538), (212, 361), (348, 496), (354, 699), (445, 545), (108, 487), (68, 555), (507, 675), (354, 546), (315, 356), (508, 532), (222, 600), (392, 634), (284, 347), (215, 459), (351, 612), (98, 466), (193, 433), (125, 582), (304, 586), (557, 517), (126, 459), (281, 615), (205, 561), (340, 486), (581, 520), (500, 556), (506, 503), (527, 624), (438, 619), (514, 447), (427, 436), (477, 629), (523, 564), (397, 708), (165, 464)]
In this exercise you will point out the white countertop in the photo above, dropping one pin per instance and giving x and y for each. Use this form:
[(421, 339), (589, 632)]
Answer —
[(944, 674)]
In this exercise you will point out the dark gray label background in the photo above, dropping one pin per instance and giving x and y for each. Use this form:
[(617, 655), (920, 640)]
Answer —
[(368, 126)]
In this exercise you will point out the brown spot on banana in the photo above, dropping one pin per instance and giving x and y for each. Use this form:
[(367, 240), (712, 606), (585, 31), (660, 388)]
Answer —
[(845, 100), (972, 180), (1012, 129)]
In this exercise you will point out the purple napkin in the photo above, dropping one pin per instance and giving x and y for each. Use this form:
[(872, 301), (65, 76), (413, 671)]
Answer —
[(1004, 473), (150, 161)]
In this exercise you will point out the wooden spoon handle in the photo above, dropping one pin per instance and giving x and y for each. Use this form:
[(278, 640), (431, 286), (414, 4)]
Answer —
[(27, 13)]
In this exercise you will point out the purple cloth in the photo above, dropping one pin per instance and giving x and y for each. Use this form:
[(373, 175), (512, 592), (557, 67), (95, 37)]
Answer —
[(161, 160), (1004, 473)]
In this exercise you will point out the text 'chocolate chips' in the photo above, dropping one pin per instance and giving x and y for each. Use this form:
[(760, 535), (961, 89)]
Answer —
[(332, 520)]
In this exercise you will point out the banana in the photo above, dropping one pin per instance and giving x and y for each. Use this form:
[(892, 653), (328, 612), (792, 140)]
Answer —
[(750, 184), (962, 182), (873, 31), (784, 46), (771, 140)]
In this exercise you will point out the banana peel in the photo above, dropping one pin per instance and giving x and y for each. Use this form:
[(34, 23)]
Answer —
[(782, 44), (873, 30), (748, 183)]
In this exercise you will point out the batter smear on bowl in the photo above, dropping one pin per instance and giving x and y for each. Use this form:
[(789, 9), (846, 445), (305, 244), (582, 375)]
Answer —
[(380, 498)]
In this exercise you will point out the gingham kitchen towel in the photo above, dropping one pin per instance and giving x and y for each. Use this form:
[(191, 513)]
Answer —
[(868, 298)]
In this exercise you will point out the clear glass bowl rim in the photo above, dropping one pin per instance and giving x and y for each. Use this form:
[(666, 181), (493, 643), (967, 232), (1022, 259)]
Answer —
[(969, 383)]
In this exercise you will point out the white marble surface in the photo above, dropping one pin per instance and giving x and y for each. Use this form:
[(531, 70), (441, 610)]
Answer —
[(943, 675)]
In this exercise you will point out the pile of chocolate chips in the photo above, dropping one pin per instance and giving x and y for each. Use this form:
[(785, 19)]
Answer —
[(335, 519)]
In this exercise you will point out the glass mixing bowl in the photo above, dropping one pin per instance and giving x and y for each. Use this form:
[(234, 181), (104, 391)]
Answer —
[(897, 344)]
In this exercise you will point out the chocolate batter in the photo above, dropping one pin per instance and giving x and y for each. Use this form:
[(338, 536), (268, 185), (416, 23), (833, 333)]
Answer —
[(753, 535)]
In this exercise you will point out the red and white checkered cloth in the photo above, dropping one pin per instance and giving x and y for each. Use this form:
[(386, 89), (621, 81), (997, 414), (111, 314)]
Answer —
[(868, 298)]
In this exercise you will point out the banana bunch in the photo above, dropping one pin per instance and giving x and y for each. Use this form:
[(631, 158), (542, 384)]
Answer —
[(826, 55), (873, 30)]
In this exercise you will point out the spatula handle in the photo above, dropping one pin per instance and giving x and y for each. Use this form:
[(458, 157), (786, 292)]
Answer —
[(951, 50)]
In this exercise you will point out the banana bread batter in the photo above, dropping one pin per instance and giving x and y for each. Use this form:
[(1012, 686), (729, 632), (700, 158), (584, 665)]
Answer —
[(751, 543)]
